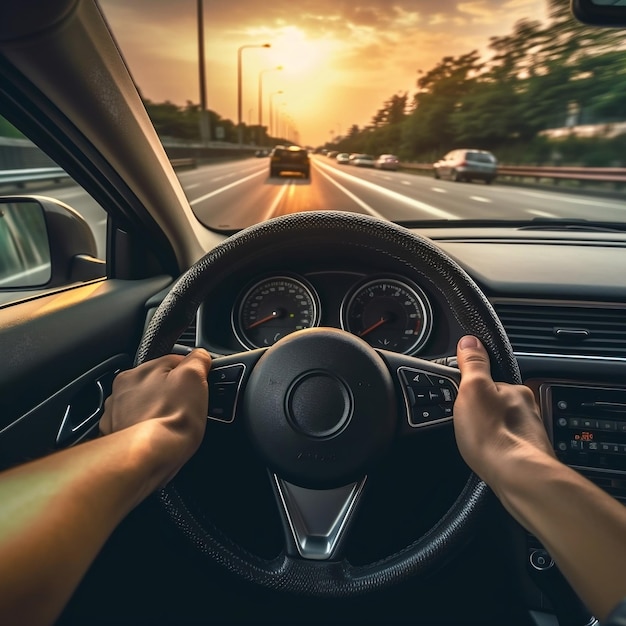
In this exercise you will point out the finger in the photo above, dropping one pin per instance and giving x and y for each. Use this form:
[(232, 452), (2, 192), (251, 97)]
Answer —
[(200, 359), (472, 358)]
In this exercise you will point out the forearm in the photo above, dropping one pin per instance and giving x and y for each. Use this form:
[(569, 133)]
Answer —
[(583, 528), (58, 511)]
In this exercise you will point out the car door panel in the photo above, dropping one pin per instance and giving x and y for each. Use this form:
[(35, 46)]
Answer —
[(59, 355)]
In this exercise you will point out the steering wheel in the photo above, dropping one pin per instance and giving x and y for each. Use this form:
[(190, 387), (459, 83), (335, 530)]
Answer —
[(322, 408)]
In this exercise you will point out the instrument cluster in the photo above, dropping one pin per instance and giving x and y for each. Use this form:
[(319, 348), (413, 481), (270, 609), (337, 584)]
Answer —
[(387, 311)]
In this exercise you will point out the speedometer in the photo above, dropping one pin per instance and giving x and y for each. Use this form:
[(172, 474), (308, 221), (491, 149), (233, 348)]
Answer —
[(273, 308), (389, 313)]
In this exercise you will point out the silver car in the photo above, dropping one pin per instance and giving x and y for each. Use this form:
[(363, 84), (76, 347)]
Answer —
[(467, 165)]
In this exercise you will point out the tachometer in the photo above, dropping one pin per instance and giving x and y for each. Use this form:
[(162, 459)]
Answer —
[(273, 308), (389, 313)]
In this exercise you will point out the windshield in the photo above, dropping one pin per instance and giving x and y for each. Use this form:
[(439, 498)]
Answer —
[(495, 110)]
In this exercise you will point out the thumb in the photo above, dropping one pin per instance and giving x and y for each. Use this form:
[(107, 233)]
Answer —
[(472, 357)]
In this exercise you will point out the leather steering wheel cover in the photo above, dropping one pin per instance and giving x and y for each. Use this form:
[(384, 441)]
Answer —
[(472, 311)]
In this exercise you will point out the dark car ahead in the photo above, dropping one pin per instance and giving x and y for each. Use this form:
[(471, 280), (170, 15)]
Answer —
[(467, 165), (290, 159)]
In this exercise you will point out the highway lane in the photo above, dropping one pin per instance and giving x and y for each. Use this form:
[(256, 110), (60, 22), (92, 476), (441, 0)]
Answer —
[(235, 194)]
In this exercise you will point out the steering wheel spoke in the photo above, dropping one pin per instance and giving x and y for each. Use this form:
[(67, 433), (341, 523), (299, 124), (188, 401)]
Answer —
[(316, 520), (426, 391), (227, 380)]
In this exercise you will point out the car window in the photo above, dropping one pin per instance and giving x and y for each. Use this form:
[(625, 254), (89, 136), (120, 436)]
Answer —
[(480, 157), (25, 171)]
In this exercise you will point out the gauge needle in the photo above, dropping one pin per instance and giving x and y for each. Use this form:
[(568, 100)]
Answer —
[(374, 326), (272, 316)]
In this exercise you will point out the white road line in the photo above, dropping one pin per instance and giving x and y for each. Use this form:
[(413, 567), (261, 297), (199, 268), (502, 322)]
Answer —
[(540, 213), (591, 201), (192, 186), (405, 182), (480, 199), (363, 205), (277, 199), (438, 190), (225, 188), (398, 197)]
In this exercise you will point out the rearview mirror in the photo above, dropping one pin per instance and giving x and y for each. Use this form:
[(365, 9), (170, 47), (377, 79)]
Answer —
[(600, 12), (43, 244)]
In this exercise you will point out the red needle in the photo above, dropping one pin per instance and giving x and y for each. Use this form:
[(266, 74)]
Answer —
[(374, 326), (271, 316)]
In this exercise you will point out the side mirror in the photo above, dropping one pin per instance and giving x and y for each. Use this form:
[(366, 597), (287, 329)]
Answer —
[(600, 12), (43, 244)]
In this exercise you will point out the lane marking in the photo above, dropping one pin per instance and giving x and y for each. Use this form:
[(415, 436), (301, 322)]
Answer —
[(480, 199), (565, 198), (394, 195), (540, 213), (192, 185), (225, 188), (438, 190), (363, 205), (277, 199), (405, 182)]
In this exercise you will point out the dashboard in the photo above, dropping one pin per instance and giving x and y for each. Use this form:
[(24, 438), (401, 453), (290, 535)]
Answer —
[(399, 312)]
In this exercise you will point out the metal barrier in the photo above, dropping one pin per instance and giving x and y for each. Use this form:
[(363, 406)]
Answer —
[(581, 174), (23, 176)]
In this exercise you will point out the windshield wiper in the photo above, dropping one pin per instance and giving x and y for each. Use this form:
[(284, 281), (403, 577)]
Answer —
[(537, 223), (569, 224)]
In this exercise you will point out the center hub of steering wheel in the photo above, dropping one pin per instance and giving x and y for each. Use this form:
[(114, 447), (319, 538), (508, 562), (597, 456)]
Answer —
[(319, 405)]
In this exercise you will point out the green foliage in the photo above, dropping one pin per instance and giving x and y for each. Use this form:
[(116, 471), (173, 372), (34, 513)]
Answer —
[(8, 130), (540, 76), (183, 122)]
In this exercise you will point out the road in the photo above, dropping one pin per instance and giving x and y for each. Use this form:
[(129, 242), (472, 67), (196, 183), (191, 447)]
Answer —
[(236, 194)]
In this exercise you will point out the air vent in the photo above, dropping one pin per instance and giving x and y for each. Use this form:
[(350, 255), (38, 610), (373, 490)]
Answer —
[(188, 337), (568, 329)]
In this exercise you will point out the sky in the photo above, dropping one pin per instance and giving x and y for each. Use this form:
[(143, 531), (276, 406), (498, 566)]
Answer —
[(340, 59)]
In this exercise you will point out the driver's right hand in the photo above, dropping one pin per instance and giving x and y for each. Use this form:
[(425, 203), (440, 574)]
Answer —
[(493, 422)]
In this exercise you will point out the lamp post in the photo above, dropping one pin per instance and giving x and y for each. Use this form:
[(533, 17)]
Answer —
[(239, 74), (205, 125), (269, 69), (275, 93)]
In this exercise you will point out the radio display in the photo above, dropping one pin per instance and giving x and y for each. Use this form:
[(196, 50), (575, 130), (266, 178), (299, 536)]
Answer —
[(588, 426)]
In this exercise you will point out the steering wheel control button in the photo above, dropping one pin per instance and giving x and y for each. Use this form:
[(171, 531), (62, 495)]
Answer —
[(319, 405), (320, 408), (541, 560), (224, 384), (429, 397)]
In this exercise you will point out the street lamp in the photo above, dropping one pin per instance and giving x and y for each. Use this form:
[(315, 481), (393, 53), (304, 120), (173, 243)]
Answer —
[(275, 93), (239, 51), (205, 126), (269, 69)]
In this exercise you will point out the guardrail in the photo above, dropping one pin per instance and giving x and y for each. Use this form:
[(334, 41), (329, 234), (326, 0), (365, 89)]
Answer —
[(183, 163), (22, 176), (555, 173)]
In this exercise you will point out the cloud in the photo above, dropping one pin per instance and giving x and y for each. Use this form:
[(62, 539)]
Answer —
[(370, 48)]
